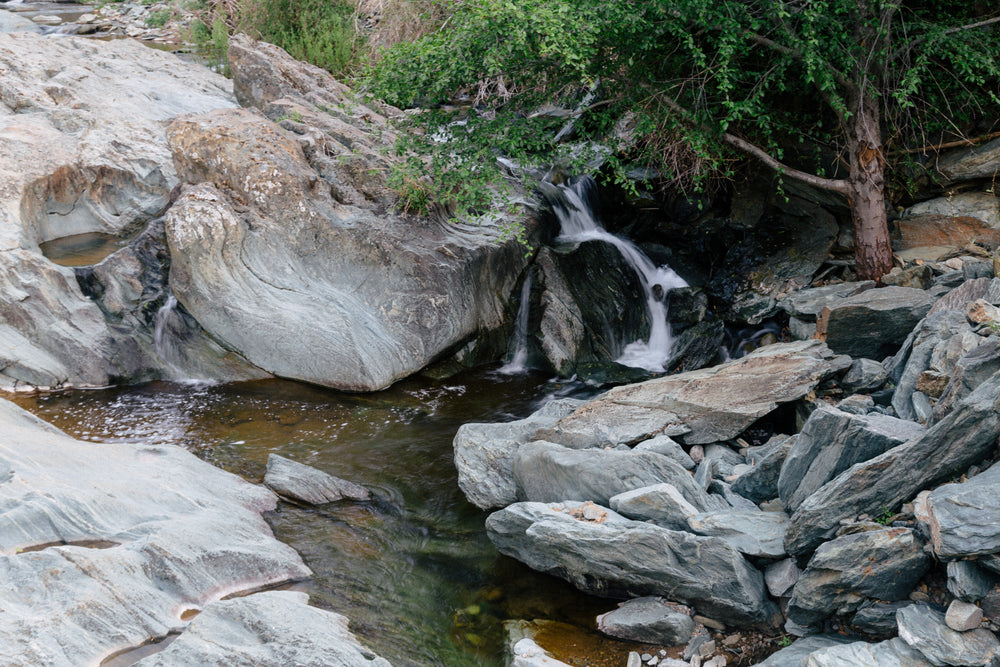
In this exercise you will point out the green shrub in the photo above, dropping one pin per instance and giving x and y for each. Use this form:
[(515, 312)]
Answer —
[(159, 18), (321, 32)]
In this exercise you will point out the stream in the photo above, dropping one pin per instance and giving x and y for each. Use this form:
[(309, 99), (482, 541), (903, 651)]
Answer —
[(412, 570)]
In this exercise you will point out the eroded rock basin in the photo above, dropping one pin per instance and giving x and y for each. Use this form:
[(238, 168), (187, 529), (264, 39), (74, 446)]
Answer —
[(413, 569)]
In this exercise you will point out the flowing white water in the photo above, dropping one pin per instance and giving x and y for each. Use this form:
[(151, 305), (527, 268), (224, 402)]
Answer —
[(166, 344), (519, 355), (578, 223)]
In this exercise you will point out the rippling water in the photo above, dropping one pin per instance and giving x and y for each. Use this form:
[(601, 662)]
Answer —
[(413, 570)]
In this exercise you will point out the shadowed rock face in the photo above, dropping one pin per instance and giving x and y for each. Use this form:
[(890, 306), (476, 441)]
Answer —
[(182, 534)]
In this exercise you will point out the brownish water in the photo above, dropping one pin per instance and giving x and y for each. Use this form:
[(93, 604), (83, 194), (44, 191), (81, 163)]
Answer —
[(413, 570), (82, 249)]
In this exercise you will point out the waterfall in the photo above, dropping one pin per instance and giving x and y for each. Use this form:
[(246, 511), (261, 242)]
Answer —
[(519, 343), (165, 342), (577, 224)]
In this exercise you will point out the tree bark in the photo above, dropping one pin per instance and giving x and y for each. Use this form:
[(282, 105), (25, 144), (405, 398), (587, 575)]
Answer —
[(866, 192)]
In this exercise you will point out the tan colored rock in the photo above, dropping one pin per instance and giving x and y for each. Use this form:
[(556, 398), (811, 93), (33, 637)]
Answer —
[(944, 231), (983, 312), (932, 383)]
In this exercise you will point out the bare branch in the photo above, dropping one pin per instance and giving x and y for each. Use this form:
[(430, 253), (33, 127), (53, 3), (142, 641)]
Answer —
[(950, 144)]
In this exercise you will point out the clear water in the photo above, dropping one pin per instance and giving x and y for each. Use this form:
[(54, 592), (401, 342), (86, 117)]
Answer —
[(413, 570), (82, 249)]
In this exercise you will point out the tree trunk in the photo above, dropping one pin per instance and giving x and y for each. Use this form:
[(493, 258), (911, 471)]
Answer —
[(866, 193)]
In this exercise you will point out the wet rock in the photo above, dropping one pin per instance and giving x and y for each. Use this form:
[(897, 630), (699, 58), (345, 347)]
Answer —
[(800, 649), (883, 565), (697, 346), (830, 442), (864, 376), (547, 472), (878, 618), (781, 576), (891, 653), (925, 630), (484, 453), (962, 438), (758, 534), (666, 446), (707, 405), (619, 557), (271, 628), (966, 581), (760, 483), (963, 616), (184, 534), (661, 504), (873, 323), (962, 519), (523, 650), (307, 484), (650, 620)]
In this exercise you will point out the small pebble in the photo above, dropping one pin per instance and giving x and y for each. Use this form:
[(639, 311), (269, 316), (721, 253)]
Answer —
[(634, 660), (707, 649), (645, 657)]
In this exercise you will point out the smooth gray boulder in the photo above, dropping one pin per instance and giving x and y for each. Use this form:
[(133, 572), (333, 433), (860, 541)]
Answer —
[(704, 406), (873, 323), (270, 629), (307, 484), (882, 564), (962, 438), (963, 616), (547, 472), (760, 483), (613, 556), (796, 654), (830, 442), (650, 620), (966, 581), (757, 534), (484, 453), (661, 504), (781, 576), (964, 519), (109, 545), (925, 630), (864, 376), (890, 653), (11, 22)]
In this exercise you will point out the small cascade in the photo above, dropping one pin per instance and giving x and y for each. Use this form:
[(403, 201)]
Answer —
[(165, 343), (518, 352), (578, 224)]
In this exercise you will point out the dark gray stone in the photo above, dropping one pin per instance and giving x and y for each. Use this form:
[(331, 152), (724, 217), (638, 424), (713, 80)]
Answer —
[(974, 368), (891, 653), (878, 618), (966, 581), (864, 376), (964, 437), (697, 346), (925, 630), (704, 472), (735, 500), (613, 556), (807, 304), (831, 441), (883, 565), (307, 484), (873, 323), (761, 482), (650, 620), (547, 472), (759, 534), (964, 519), (725, 459)]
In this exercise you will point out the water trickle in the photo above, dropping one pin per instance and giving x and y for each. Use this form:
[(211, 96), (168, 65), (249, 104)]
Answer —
[(166, 343), (578, 223), (518, 353)]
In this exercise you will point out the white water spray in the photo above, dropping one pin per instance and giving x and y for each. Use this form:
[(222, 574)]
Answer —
[(577, 224), (519, 356)]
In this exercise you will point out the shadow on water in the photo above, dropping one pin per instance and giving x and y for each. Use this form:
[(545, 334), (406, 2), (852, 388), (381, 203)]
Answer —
[(412, 569)]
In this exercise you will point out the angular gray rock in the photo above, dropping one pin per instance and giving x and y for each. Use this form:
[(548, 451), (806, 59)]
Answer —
[(307, 484), (666, 446), (883, 564), (962, 438), (864, 376), (11, 22), (141, 534), (970, 371), (614, 556), (796, 654), (650, 620), (807, 304), (964, 519), (781, 576), (966, 581), (760, 483), (963, 616), (830, 442), (873, 323), (970, 163), (270, 629), (484, 453), (891, 653), (661, 504), (980, 205), (707, 405), (547, 472), (757, 534), (878, 618), (925, 630)]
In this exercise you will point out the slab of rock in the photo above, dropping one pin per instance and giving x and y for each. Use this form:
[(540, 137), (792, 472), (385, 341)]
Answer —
[(864, 376), (925, 630), (962, 438), (141, 534), (484, 453), (873, 323), (830, 442), (807, 304), (707, 405), (614, 556), (760, 483), (970, 371), (271, 628), (758, 534), (883, 565), (661, 504), (650, 620), (966, 581), (11, 22), (944, 233), (962, 519), (781, 576), (547, 472), (878, 618), (307, 484), (891, 653), (666, 446), (795, 654), (970, 163)]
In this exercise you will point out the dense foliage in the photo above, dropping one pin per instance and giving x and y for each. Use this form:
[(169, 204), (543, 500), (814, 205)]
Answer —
[(829, 91)]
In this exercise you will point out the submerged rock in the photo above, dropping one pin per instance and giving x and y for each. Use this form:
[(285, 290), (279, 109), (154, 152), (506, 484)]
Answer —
[(307, 484)]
